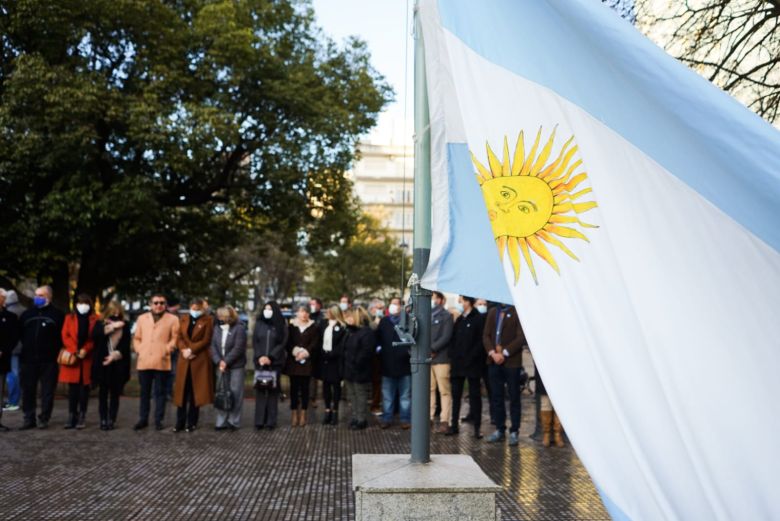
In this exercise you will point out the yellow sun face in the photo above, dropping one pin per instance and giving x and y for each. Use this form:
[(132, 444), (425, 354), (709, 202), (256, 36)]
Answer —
[(528, 199)]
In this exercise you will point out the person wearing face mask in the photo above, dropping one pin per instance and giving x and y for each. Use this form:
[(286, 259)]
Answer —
[(329, 365), (345, 303), (111, 362), (155, 338), (228, 352), (269, 342), (441, 334), (303, 348), (376, 313), (321, 321), (481, 306), (396, 368), (194, 385), (41, 342), (78, 338), (467, 361), (359, 349)]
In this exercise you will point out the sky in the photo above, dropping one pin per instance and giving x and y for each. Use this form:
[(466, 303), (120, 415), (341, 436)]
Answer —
[(384, 26)]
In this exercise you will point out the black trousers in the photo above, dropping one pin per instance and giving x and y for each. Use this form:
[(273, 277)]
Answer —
[(30, 374), (108, 400), (146, 378), (188, 412), (331, 392), (299, 392), (475, 400), (266, 407), (78, 398)]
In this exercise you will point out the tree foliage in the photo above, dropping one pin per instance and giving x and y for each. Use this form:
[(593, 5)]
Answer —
[(142, 142), (733, 43), (367, 264)]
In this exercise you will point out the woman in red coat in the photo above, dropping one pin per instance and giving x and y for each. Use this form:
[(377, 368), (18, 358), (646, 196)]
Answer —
[(78, 333)]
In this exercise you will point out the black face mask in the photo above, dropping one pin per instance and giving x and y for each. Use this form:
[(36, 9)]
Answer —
[(115, 318)]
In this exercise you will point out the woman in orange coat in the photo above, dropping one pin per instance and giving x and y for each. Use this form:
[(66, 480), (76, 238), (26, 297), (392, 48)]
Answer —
[(194, 386), (78, 338)]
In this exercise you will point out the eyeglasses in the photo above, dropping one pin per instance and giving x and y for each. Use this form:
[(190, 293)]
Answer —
[(158, 303)]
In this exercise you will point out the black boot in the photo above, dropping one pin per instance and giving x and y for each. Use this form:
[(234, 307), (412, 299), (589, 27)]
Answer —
[(72, 419), (334, 420), (103, 424), (82, 422), (328, 418)]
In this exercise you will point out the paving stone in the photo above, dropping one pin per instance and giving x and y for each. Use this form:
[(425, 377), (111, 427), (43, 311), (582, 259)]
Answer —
[(275, 475)]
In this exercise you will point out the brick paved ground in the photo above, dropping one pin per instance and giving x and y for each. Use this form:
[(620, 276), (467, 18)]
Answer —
[(284, 474)]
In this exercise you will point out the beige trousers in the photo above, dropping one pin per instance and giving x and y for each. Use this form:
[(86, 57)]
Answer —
[(440, 377)]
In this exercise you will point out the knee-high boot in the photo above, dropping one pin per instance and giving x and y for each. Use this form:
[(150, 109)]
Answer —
[(546, 419), (558, 431)]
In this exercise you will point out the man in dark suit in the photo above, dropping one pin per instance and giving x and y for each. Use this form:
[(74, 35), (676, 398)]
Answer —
[(503, 339)]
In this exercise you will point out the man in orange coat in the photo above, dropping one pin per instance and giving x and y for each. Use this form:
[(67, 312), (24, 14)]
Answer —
[(156, 333), (194, 385)]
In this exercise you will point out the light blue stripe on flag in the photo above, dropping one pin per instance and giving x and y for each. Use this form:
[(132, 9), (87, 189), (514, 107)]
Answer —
[(691, 128)]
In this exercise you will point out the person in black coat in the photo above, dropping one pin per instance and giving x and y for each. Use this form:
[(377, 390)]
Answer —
[(111, 362), (396, 368), (228, 352), (467, 360), (359, 349), (269, 342), (9, 336), (329, 363), (41, 343)]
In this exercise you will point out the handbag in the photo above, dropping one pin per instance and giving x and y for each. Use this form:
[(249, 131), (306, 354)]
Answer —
[(67, 358), (265, 380), (224, 400)]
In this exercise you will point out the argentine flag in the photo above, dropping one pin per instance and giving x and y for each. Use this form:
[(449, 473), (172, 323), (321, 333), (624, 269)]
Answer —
[(631, 212)]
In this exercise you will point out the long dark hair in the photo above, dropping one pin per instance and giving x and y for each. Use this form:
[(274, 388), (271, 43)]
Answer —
[(277, 320)]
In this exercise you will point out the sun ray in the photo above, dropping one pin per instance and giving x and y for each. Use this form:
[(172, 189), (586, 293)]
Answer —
[(577, 179), (527, 257), (555, 242), (565, 162), (483, 172), (563, 231), (501, 243), (495, 164), (556, 184), (579, 194), (506, 168), (530, 159), (542, 159), (564, 219), (519, 159), (554, 165), (541, 250), (584, 207), (562, 208), (514, 256)]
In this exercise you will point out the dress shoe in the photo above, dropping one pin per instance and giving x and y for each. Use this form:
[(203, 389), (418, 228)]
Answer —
[(43, 424), (406, 426), (71, 423), (384, 425), (452, 431), (110, 425), (27, 426), (334, 419), (257, 427), (192, 428), (328, 418), (140, 425), (82, 421), (158, 426)]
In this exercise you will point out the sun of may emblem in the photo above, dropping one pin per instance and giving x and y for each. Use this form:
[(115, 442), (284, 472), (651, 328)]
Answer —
[(529, 200)]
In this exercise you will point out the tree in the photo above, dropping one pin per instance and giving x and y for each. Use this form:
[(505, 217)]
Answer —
[(367, 264), (624, 7), (140, 142), (733, 43)]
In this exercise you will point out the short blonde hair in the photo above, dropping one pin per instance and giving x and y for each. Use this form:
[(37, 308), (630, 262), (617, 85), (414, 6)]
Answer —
[(335, 312), (361, 316), (228, 314)]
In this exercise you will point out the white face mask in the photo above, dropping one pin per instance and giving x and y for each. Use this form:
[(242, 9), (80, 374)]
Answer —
[(313, 309), (343, 306), (394, 309), (268, 313), (482, 309), (459, 307), (195, 313), (379, 313), (82, 308)]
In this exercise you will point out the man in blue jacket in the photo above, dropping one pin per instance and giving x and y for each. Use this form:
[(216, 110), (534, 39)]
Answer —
[(396, 368)]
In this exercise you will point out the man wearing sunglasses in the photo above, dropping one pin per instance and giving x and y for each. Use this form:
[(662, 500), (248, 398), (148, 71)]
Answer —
[(155, 338)]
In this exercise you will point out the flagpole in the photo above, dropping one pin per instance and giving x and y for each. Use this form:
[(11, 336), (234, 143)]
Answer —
[(421, 298)]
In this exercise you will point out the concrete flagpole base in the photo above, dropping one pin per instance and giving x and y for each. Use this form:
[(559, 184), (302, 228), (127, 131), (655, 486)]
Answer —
[(390, 487)]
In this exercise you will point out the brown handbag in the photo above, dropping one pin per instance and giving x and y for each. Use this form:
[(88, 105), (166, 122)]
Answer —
[(67, 358)]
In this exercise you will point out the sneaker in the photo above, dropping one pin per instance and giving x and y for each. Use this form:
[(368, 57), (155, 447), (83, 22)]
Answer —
[(10, 407), (513, 439), (496, 437)]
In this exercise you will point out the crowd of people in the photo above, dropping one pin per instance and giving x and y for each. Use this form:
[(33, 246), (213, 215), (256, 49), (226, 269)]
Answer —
[(201, 358)]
